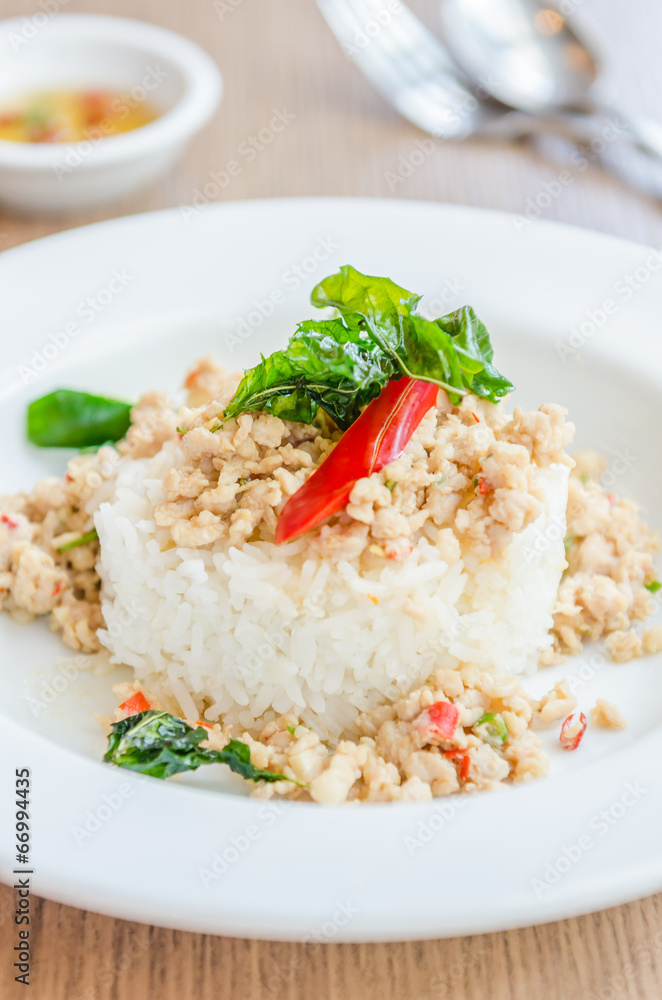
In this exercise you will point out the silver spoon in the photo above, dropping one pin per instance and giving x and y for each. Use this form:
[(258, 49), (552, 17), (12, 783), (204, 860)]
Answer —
[(414, 71), (525, 55)]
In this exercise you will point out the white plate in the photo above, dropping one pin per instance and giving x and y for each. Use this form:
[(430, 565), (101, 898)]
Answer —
[(576, 842)]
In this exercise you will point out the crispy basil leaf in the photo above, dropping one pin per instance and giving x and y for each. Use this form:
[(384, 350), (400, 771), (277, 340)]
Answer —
[(469, 333), (384, 306), (341, 364), (490, 384), (328, 363), (412, 342), (475, 354), (430, 350), (160, 745)]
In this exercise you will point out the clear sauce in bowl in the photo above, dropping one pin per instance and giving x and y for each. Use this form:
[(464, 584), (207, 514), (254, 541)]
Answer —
[(72, 116)]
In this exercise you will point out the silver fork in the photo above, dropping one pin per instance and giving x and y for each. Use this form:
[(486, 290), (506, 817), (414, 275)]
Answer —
[(413, 71)]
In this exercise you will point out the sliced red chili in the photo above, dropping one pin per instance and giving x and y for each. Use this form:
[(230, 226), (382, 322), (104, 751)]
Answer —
[(378, 437), (9, 521), (462, 755), (572, 731), (484, 486), (443, 718), (135, 704)]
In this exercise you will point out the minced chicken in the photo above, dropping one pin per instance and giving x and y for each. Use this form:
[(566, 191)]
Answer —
[(466, 470), (609, 550)]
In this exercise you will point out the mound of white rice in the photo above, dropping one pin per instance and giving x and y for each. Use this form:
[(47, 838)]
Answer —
[(241, 632)]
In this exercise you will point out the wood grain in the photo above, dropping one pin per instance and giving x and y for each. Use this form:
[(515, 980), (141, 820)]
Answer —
[(345, 140), (81, 956)]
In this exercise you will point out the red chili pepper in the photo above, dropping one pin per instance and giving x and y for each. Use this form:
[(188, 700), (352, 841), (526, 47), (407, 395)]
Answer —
[(442, 718), (205, 724), (57, 589), (9, 521), (135, 704), (477, 419), (572, 731), (378, 437), (484, 486), (462, 755)]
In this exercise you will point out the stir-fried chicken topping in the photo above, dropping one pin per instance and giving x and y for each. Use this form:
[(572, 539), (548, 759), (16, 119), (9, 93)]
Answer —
[(609, 550)]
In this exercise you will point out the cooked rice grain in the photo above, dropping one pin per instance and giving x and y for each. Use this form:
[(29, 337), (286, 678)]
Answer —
[(242, 632)]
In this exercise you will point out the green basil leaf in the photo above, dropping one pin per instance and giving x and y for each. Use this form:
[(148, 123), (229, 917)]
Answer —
[(69, 419), (159, 744), (328, 363), (490, 384), (474, 350), (237, 756), (341, 364), (430, 350), (454, 351), (384, 306), (469, 333)]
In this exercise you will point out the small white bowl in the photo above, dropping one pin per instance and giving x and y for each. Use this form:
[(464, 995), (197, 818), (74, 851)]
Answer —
[(86, 51)]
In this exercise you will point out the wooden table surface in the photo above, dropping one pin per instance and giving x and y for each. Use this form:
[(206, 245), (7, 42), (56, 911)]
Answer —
[(345, 141)]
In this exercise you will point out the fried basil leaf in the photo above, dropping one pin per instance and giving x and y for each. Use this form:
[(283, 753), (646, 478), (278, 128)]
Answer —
[(474, 349), (341, 364), (328, 363), (160, 745), (461, 360)]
